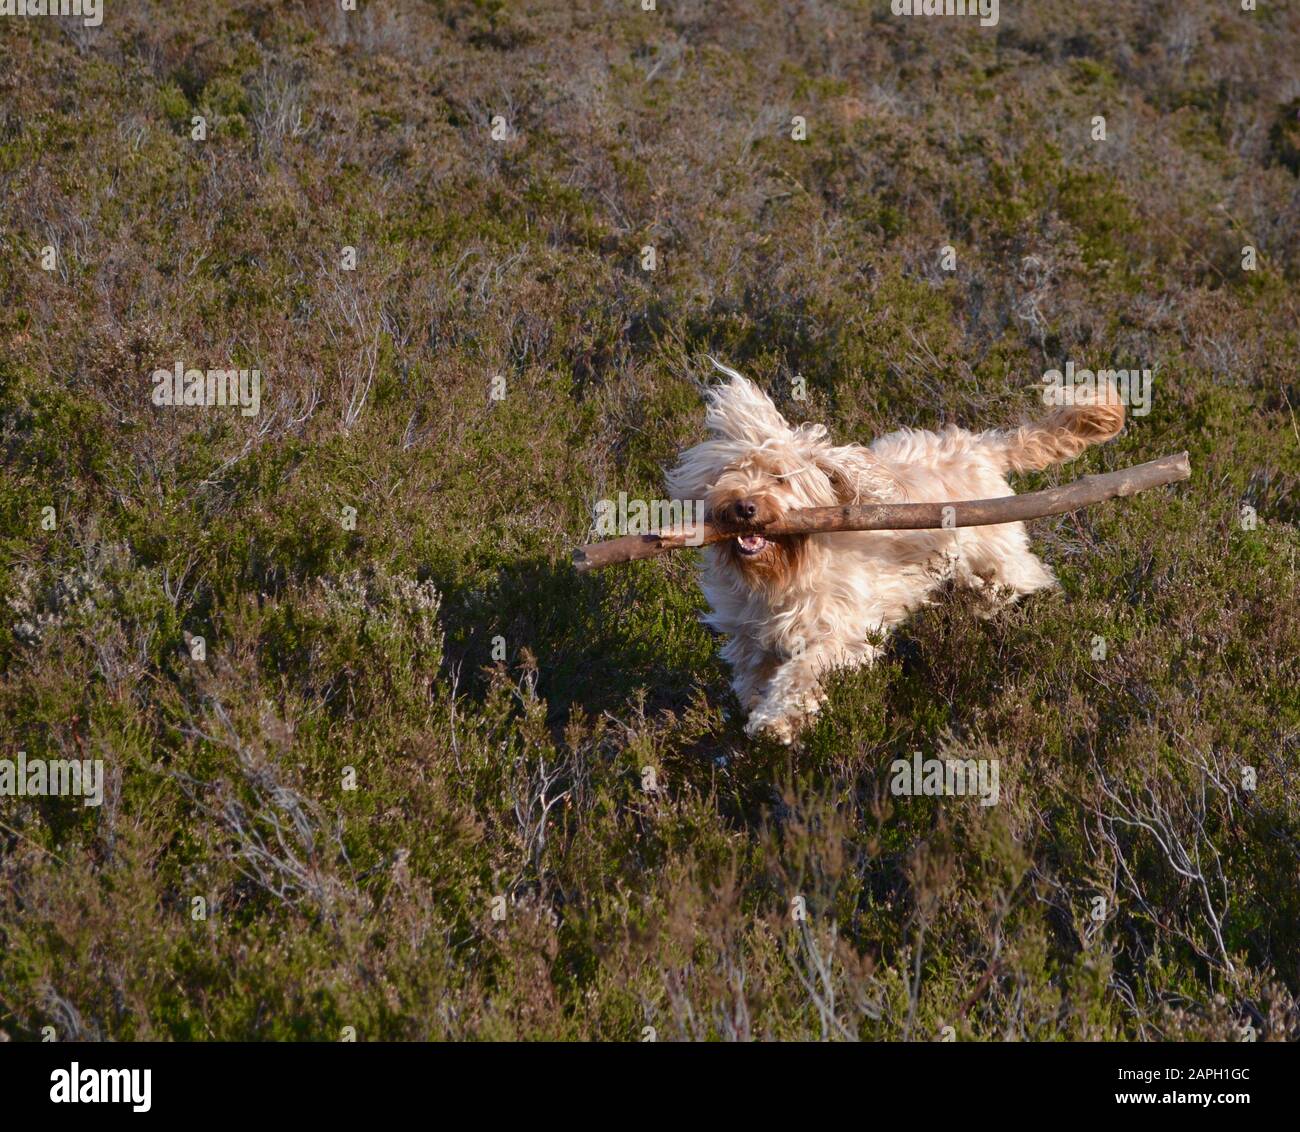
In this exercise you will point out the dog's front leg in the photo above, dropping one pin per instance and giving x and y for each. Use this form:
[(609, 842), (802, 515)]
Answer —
[(794, 693), (752, 665)]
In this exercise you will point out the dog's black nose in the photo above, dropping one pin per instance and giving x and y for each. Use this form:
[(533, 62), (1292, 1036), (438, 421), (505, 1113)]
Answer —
[(746, 509)]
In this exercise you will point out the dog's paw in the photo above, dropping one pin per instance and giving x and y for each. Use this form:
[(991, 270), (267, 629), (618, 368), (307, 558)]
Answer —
[(782, 728), (784, 721)]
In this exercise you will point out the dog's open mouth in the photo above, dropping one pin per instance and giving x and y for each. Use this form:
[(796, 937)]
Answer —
[(749, 545)]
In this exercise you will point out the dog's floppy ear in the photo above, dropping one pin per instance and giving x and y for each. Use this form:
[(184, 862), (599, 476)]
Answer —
[(856, 475), (741, 411)]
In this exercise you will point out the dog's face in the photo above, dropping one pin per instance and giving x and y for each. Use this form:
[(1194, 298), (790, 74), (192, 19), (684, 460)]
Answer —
[(757, 488), (754, 469)]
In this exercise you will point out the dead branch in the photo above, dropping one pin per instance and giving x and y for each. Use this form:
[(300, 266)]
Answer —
[(1082, 492)]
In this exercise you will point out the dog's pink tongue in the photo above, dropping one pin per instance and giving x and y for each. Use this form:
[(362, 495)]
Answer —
[(751, 542)]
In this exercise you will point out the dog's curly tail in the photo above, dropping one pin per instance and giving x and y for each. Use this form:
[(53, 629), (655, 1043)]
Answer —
[(1090, 415)]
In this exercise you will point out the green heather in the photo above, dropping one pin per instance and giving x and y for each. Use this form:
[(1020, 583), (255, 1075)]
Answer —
[(499, 870)]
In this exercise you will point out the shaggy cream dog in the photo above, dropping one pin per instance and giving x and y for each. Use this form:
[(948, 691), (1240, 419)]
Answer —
[(795, 607)]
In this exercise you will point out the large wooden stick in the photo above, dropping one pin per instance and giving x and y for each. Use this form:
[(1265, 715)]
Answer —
[(1083, 492)]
